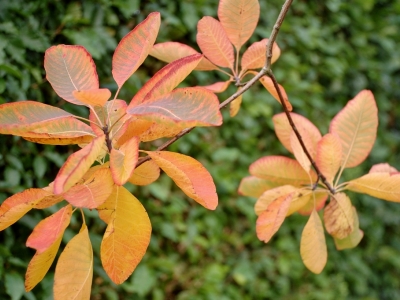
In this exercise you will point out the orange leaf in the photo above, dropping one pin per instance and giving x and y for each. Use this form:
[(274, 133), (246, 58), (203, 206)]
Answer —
[(354, 238), (189, 107), (283, 130), (167, 128), (145, 174), (127, 235), (254, 186), (170, 51), (384, 186), (50, 199), (338, 216), (77, 165), (166, 79), (316, 202), (383, 168), (282, 170), (269, 85), (74, 270), (271, 195), (189, 174), (269, 222), (123, 161), (235, 105), (135, 127), (68, 69), (93, 97), (298, 150), (218, 87), (356, 125), (312, 246), (214, 42), (329, 156), (239, 18), (16, 206), (299, 200), (133, 49), (45, 238), (256, 55)]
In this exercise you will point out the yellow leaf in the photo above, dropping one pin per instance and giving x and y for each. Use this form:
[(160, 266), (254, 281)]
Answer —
[(127, 235), (312, 246), (338, 216), (145, 174), (271, 195), (123, 160), (74, 270), (93, 97), (235, 105), (298, 151), (254, 187), (317, 202), (354, 238), (329, 156)]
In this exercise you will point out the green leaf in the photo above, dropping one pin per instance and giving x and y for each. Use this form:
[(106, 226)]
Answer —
[(14, 284), (39, 166)]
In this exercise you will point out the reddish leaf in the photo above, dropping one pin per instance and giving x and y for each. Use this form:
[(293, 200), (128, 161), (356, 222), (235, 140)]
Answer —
[(269, 85), (214, 42), (77, 165), (239, 18), (68, 69), (218, 87), (93, 97), (338, 216), (329, 156), (123, 161), (356, 125), (145, 174), (190, 175), (127, 235), (255, 56), (49, 200), (133, 49), (271, 195), (166, 79), (254, 186), (383, 168)]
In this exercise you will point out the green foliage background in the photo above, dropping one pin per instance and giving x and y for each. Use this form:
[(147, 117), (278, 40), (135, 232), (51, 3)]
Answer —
[(330, 51)]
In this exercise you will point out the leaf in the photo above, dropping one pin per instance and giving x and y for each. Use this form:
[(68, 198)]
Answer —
[(235, 105), (190, 175), (298, 150), (269, 222), (16, 206), (218, 87), (329, 156), (271, 195), (166, 79), (354, 238), (133, 49), (93, 191), (127, 235), (77, 165), (214, 42), (384, 186), (356, 125), (134, 127), (168, 128), (254, 186), (45, 239), (282, 170), (170, 51), (383, 168), (338, 216), (123, 161), (189, 107), (50, 199), (283, 130), (269, 85), (70, 68), (93, 97), (74, 270), (316, 202), (145, 174), (255, 56), (300, 198), (312, 246), (239, 19)]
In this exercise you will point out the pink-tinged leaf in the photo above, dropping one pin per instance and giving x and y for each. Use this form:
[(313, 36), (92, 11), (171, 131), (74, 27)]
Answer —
[(170, 51), (123, 161), (254, 187), (190, 175), (329, 156), (313, 248), (74, 270), (77, 165), (384, 186), (269, 85), (354, 238), (93, 97), (255, 56), (218, 87), (189, 107), (133, 49), (50, 199), (127, 235), (316, 202), (283, 130), (146, 173), (271, 195), (356, 125), (45, 238), (135, 127), (68, 69), (238, 18), (282, 170), (298, 150), (234, 106), (16, 206), (383, 168), (93, 191), (214, 43), (166, 79), (338, 216), (269, 222)]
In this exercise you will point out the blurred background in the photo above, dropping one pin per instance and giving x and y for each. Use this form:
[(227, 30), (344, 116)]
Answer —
[(330, 51)]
